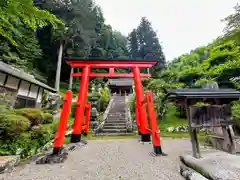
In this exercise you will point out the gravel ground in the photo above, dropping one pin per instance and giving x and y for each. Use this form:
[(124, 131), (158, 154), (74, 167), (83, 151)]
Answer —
[(124, 159)]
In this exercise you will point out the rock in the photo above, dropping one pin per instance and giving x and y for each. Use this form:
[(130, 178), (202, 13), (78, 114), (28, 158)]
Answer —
[(215, 165), (170, 129), (53, 101), (48, 158), (190, 174), (129, 126), (99, 128), (8, 162), (94, 124)]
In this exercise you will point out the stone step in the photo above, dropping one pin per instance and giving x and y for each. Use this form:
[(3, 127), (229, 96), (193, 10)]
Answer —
[(116, 111), (119, 117), (115, 124), (114, 114), (114, 134), (114, 130), (116, 119), (114, 127)]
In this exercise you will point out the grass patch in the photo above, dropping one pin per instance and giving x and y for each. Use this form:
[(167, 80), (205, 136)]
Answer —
[(91, 137), (171, 120), (179, 135)]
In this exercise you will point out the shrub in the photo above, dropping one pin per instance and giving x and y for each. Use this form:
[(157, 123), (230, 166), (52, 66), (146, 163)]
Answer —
[(35, 116), (5, 100), (181, 111), (42, 134), (73, 109), (105, 96), (54, 126), (17, 145), (50, 111), (236, 110), (47, 118), (23, 145), (12, 125)]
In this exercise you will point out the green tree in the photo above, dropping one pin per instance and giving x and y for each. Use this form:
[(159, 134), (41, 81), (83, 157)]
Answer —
[(133, 44), (144, 44), (20, 12), (149, 46), (232, 29)]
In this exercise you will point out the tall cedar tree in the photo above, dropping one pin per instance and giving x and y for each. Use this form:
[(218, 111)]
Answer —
[(144, 43)]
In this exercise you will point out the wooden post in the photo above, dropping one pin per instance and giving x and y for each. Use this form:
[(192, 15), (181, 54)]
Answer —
[(228, 140), (197, 142), (70, 79), (191, 130)]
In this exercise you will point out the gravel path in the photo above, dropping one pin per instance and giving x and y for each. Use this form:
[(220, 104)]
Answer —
[(124, 159)]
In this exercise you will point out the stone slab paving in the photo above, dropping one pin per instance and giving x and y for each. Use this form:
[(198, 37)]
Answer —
[(124, 159)]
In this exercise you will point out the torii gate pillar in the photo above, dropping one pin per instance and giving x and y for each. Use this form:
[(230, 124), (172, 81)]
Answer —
[(142, 115)]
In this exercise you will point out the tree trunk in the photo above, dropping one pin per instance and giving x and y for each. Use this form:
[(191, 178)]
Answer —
[(59, 65), (70, 80)]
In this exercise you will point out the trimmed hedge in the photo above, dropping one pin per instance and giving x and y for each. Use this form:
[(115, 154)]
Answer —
[(12, 125), (35, 116), (47, 118), (24, 131)]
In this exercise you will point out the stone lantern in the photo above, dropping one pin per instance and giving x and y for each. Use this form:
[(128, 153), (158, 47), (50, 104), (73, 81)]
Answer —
[(94, 113)]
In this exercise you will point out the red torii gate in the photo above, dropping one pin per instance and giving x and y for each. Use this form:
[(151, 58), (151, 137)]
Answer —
[(141, 115), (86, 66)]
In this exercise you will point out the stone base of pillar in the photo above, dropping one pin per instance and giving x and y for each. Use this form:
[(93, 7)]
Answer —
[(145, 138), (75, 138)]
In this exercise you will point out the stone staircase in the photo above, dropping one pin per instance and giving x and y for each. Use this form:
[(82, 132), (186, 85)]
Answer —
[(115, 123)]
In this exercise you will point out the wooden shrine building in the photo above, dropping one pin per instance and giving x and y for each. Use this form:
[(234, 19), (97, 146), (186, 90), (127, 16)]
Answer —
[(120, 86)]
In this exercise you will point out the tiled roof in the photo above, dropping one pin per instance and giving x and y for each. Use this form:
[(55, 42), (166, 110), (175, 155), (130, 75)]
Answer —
[(120, 82), (22, 75), (203, 93)]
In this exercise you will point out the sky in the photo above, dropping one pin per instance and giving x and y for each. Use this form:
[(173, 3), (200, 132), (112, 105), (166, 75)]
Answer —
[(181, 25)]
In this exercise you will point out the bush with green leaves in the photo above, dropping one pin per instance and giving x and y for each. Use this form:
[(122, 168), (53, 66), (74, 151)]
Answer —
[(73, 109), (104, 98), (21, 145), (5, 101), (27, 143), (21, 131), (47, 118), (11, 125), (42, 134), (50, 111), (35, 116), (236, 110)]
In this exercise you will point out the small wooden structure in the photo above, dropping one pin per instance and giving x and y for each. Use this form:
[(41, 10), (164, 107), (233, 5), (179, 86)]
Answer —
[(120, 86), (216, 114)]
